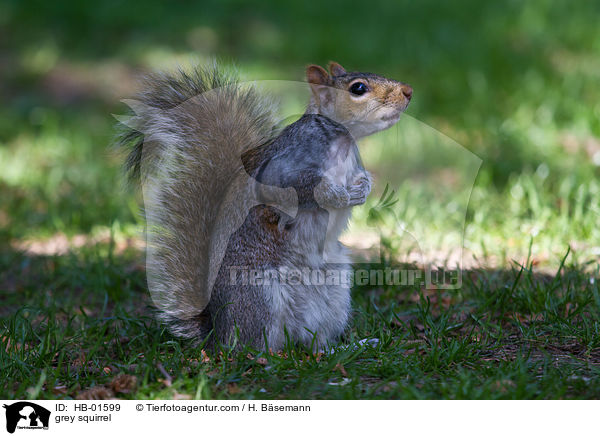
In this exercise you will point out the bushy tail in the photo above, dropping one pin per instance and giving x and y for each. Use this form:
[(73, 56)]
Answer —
[(185, 143)]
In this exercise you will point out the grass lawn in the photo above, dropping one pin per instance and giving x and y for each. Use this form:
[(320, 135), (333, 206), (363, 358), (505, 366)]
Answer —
[(75, 322), (499, 155)]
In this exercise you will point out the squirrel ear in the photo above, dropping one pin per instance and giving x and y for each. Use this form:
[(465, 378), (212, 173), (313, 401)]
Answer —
[(319, 84), (317, 75), (319, 81), (336, 69)]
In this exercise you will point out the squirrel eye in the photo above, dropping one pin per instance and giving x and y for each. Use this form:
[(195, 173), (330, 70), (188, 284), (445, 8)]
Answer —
[(358, 88)]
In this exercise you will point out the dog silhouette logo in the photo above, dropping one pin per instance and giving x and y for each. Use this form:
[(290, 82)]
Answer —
[(26, 415)]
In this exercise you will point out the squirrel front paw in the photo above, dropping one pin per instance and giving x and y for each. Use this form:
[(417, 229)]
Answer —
[(330, 195), (359, 190)]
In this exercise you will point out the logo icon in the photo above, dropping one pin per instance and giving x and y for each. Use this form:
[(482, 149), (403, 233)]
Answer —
[(26, 415)]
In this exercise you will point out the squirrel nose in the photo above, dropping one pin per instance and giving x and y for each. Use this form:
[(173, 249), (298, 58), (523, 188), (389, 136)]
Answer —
[(407, 91)]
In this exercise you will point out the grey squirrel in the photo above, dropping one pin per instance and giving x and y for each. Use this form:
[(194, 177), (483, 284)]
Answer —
[(206, 153)]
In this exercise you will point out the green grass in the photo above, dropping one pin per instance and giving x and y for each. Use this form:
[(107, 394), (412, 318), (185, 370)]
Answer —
[(499, 154), (77, 322)]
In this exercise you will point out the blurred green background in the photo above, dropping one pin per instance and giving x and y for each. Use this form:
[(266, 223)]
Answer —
[(516, 83)]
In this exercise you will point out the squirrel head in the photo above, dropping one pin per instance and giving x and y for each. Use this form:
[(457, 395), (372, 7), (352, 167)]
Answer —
[(364, 103)]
